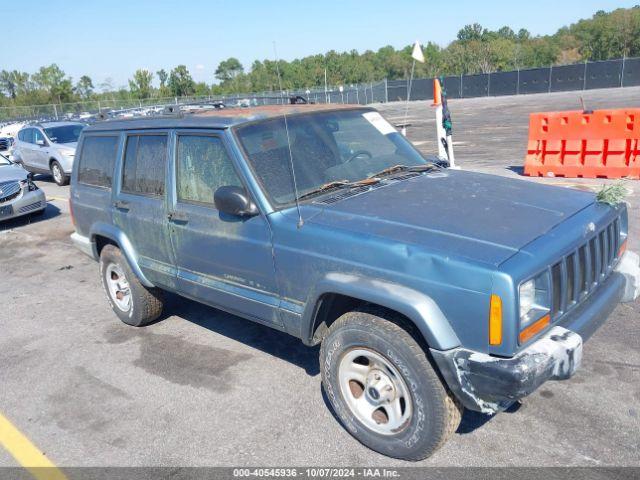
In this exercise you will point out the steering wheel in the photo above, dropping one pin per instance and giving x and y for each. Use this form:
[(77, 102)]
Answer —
[(358, 153)]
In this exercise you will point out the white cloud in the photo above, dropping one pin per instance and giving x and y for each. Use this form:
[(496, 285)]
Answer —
[(199, 67)]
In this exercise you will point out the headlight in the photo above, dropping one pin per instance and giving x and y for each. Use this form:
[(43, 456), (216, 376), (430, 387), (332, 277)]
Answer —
[(28, 185), (534, 299)]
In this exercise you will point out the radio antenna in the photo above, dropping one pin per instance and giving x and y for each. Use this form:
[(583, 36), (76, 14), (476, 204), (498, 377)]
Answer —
[(286, 128)]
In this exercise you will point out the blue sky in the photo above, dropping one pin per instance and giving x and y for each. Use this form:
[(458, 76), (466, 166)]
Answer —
[(112, 38)]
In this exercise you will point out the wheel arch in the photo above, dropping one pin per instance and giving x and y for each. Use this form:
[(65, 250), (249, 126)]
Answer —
[(338, 293), (104, 234)]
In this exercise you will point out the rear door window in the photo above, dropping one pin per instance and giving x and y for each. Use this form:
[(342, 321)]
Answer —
[(97, 160), (144, 165), (27, 135)]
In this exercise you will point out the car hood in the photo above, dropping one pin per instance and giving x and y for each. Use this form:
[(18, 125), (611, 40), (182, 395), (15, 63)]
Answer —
[(12, 173), (482, 217), (67, 147)]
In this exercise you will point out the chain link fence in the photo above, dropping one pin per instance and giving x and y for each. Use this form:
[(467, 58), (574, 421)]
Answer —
[(623, 72)]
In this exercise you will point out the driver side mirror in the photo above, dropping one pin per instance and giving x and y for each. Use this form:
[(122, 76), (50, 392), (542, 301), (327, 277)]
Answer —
[(40, 142), (234, 201)]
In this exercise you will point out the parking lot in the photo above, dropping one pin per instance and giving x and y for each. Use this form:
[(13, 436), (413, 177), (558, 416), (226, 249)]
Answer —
[(201, 387)]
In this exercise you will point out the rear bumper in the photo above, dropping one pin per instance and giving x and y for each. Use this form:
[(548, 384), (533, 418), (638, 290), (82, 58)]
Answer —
[(490, 384), (84, 244)]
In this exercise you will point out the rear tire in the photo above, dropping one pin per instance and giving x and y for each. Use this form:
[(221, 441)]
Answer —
[(132, 302), (58, 174), (371, 343)]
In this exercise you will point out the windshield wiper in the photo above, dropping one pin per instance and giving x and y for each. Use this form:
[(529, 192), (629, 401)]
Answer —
[(338, 184), (404, 168)]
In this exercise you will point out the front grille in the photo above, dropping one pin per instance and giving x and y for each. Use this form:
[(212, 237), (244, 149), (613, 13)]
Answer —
[(580, 272), (9, 191)]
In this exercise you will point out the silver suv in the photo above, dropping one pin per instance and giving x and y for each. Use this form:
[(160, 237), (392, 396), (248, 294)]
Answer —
[(48, 148)]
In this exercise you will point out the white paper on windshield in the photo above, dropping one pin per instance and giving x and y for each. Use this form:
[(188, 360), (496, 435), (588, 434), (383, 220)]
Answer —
[(375, 119)]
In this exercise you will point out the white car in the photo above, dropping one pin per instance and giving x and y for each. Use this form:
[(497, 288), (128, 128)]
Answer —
[(18, 194), (48, 147)]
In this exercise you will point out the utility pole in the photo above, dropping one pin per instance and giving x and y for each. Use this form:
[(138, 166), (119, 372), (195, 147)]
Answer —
[(326, 99)]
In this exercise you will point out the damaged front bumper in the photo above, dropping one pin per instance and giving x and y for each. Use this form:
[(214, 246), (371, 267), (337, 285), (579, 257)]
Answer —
[(490, 384)]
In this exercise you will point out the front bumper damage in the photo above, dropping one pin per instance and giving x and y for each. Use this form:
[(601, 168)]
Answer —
[(629, 267), (489, 384)]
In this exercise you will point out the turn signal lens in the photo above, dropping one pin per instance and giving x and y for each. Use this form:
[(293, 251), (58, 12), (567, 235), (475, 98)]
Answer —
[(622, 249), (534, 328), (495, 320)]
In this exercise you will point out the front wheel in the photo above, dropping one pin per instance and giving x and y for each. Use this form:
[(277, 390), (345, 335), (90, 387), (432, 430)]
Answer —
[(383, 387), (58, 174)]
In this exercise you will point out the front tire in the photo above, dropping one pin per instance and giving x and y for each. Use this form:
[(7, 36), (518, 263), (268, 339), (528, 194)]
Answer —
[(58, 174), (383, 387), (132, 302)]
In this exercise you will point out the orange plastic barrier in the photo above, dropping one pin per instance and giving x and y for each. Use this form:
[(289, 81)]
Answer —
[(601, 144)]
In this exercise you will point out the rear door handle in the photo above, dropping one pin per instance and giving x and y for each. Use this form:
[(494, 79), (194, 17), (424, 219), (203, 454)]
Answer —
[(178, 217), (121, 205)]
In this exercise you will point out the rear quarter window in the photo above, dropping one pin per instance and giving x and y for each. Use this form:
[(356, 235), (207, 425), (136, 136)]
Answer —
[(97, 160)]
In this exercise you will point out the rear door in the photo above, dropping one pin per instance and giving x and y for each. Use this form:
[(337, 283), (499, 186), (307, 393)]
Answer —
[(91, 182), (139, 209), (222, 260), (26, 147)]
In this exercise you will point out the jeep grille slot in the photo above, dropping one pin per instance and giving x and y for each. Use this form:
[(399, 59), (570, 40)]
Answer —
[(580, 272)]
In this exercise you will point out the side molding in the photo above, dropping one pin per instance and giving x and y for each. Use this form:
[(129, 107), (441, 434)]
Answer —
[(115, 234), (421, 309)]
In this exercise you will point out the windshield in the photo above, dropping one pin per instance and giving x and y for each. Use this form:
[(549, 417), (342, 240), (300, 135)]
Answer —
[(4, 161), (64, 134), (326, 147)]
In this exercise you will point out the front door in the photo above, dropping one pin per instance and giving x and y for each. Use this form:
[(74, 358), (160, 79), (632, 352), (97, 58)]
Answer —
[(40, 151), (140, 209), (223, 260)]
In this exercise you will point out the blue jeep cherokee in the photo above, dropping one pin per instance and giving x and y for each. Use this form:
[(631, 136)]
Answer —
[(429, 289)]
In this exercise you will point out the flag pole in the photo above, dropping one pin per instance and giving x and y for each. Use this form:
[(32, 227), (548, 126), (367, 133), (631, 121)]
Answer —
[(443, 134), (417, 55), (406, 109)]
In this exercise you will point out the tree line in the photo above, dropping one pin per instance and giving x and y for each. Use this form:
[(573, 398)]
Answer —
[(476, 49)]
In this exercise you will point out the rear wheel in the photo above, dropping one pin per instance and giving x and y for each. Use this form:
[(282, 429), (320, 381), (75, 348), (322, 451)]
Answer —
[(383, 387), (58, 174), (131, 301)]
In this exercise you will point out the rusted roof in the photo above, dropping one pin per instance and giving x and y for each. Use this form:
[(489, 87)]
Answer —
[(216, 118)]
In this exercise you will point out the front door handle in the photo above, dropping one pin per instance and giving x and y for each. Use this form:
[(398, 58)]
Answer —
[(178, 217), (121, 205)]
